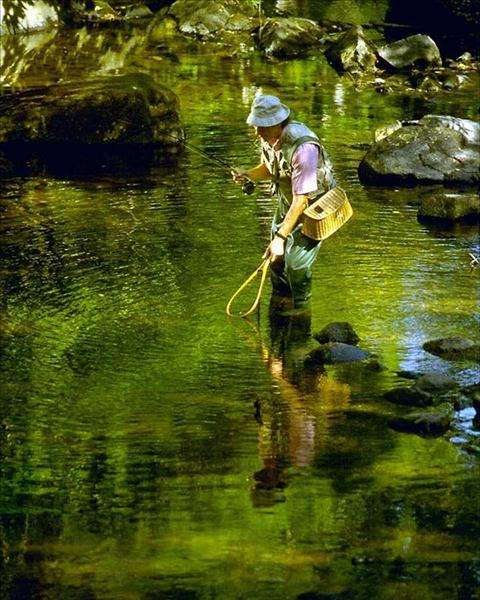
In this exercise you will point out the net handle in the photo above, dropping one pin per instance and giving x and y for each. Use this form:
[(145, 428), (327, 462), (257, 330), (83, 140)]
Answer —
[(263, 269)]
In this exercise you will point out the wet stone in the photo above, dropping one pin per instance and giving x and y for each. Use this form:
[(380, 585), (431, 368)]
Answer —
[(335, 352), (409, 396), (430, 423), (450, 207), (337, 332), (453, 348), (435, 382)]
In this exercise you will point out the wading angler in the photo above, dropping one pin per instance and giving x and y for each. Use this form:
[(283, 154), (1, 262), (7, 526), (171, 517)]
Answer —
[(296, 163)]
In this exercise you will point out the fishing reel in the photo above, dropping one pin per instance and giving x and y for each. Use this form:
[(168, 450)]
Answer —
[(248, 187)]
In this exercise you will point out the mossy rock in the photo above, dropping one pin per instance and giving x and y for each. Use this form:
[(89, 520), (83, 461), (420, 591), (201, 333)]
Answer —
[(288, 37), (454, 348), (433, 422), (450, 207), (337, 331)]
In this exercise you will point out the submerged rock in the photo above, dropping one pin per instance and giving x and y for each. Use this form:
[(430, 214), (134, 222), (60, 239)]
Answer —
[(435, 383), (115, 112), (335, 352), (454, 348), (409, 396), (449, 207), (337, 332), (352, 52), (433, 149), (415, 50), (288, 37), (432, 422)]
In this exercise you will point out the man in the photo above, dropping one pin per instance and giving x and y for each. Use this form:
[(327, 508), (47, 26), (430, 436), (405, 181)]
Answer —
[(295, 161)]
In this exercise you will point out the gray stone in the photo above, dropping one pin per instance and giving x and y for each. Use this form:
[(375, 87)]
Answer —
[(430, 423), (288, 37), (453, 348), (415, 50), (434, 149), (352, 52), (409, 396), (337, 332), (335, 352), (433, 382), (449, 207)]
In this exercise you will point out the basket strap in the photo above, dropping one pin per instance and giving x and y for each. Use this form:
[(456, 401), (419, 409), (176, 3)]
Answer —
[(263, 269)]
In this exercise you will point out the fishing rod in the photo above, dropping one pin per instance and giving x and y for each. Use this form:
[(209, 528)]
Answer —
[(248, 186)]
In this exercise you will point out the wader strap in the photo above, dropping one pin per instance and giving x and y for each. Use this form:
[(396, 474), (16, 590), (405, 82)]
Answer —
[(263, 269)]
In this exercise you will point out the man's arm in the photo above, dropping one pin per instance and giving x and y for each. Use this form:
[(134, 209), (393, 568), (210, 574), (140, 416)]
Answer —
[(255, 174)]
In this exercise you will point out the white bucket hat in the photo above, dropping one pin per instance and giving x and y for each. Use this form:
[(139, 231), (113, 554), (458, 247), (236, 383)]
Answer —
[(267, 111)]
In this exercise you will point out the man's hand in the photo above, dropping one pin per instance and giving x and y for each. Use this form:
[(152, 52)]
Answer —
[(239, 176), (275, 249)]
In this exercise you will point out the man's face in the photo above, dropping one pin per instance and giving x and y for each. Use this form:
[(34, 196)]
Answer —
[(271, 135)]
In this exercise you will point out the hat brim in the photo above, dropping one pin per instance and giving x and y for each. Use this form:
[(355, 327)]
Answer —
[(255, 121)]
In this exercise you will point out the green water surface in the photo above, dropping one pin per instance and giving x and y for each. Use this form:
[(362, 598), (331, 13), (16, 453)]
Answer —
[(153, 448)]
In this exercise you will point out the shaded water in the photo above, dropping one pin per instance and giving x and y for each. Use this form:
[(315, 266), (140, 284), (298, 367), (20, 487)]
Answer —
[(152, 448)]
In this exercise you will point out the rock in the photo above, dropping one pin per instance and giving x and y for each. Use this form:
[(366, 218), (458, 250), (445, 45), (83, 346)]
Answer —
[(288, 37), (433, 422), (335, 352), (119, 111), (352, 52), (453, 348), (473, 392), (37, 15), (449, 207), (434, 149), (138, 12), (386, 130), (337, 332), (409, 374), (409, 396), (205, 18), (415, 50), (435, 383)]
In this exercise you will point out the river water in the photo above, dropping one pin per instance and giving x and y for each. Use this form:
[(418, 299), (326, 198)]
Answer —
[(153, 448)]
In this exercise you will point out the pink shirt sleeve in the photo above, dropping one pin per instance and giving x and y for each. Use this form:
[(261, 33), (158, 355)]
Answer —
[(304, 169)]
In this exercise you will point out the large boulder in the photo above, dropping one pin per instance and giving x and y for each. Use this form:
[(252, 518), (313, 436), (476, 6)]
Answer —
[(414, 51), (204, 18), (288, 37), (112, 112), (439, 149), (337, 332), (449, 207), (454, 348), (352, 52)]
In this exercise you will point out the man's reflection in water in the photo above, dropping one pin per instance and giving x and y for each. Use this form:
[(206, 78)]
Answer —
[(291, 423)]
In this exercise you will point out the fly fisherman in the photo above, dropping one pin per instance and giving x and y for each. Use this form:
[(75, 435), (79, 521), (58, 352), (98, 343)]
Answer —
[(295, 162)]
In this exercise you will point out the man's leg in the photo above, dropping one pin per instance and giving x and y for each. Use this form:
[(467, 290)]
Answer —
[(299, 258)]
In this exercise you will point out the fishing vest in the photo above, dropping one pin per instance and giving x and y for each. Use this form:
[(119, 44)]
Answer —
[(279, 162)]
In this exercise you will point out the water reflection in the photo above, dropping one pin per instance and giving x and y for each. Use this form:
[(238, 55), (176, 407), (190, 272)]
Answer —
[(147, 446)]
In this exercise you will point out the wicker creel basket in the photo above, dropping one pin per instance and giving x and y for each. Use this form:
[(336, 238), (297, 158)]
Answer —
[(327, 214)]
